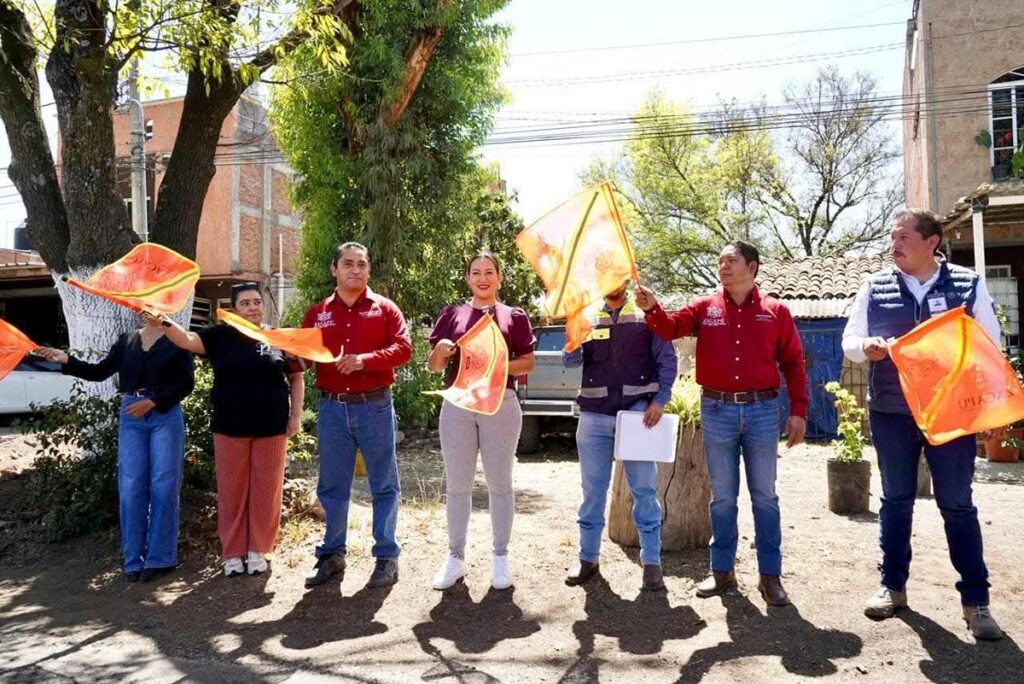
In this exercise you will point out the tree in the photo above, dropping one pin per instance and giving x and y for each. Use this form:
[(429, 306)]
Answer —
[(410, 188)]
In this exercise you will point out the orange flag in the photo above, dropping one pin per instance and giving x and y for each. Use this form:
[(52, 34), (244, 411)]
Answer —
[(955, 378), (13, 347), (581, 253), (483, 371), (150, 278), (306, 343)]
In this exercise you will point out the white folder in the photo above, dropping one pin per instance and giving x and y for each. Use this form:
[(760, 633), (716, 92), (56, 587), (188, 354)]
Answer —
[(636, 442)]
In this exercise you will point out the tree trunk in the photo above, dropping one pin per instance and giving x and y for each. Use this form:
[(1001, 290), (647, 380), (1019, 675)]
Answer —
[(684, 490)]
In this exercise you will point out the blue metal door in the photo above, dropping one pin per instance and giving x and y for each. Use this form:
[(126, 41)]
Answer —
[(823, 359)]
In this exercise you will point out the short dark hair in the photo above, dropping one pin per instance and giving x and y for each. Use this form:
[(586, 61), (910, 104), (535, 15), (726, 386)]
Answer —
[(925, 222), (483, 254), (747, 251), (238, 288), (349, 245)]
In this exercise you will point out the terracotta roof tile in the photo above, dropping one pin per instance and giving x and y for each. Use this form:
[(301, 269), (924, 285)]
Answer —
[(832, 281)]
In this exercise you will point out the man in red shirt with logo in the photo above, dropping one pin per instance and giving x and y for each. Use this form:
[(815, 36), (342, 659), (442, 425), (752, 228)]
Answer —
[(743, 339), (355, 412)]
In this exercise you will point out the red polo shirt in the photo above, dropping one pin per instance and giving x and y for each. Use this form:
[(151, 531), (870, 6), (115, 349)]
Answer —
[(740, 347), (373, 328)]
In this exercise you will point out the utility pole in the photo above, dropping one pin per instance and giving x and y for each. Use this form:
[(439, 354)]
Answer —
[(137, 149)]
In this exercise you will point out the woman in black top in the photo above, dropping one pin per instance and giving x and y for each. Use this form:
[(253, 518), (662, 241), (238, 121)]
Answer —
[(153, 376), (257, 404)]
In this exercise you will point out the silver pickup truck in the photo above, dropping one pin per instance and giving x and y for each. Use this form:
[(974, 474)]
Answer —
[(548, 394)]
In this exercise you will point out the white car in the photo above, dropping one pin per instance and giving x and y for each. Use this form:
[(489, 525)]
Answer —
[(33, 381)]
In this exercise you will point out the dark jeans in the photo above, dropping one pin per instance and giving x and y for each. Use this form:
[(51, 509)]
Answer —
[(899, 442)]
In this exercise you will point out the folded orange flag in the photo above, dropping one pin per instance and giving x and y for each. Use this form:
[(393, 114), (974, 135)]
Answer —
[(13, 347), (581, 253), (483, 371), (306, 343), (955, 378), (151, 278)]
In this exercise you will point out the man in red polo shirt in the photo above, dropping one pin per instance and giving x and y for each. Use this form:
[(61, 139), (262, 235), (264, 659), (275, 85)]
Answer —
[(368, 333), (743, 339)]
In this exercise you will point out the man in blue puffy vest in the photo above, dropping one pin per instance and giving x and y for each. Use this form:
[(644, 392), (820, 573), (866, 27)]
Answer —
[(890, 304), (625, 368)]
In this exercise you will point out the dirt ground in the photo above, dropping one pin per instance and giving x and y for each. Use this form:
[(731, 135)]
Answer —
[(66, 614)]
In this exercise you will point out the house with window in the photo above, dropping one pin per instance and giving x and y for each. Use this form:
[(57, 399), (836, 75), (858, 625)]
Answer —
[(963, 126)]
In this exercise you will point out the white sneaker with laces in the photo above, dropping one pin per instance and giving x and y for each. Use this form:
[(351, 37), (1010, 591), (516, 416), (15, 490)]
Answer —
[(501, 575), (453, 570), (233, 567), (256, 563)]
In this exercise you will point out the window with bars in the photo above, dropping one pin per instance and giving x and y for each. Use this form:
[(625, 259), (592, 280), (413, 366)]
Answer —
[(1006, 112)]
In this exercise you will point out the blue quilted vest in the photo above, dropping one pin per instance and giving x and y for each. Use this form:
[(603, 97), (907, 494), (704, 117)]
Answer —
[(893, 311), (618, 366)]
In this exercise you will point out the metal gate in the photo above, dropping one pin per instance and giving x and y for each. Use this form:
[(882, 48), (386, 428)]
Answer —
[(823, 359)]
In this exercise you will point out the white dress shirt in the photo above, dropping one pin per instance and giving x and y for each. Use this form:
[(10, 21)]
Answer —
[(856, 330)]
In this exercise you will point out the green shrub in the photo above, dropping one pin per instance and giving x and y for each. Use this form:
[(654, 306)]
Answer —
[(850, 447), (685, 400), (198, 409), (413, 408)]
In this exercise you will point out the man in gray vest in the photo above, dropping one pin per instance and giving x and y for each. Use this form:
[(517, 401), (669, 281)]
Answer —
[(890, 304), (625, 368)]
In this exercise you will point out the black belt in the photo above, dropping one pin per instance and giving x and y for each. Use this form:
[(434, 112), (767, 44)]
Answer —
[(739, 397), (357, 398), (142, 393)]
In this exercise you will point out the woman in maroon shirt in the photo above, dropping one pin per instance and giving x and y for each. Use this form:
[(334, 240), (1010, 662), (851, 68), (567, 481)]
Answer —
[(464, 433)]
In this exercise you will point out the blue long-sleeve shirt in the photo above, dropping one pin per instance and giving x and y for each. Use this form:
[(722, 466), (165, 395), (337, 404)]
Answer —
[(665, 361)]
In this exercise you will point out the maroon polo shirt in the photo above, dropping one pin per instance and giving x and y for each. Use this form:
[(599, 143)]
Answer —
[(740, 347), (456, 320), (372, 328)]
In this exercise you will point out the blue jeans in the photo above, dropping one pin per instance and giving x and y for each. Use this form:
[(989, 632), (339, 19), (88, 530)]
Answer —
[(368, 426), (753, 430), (899, 442), (595, 441), (150, 462)]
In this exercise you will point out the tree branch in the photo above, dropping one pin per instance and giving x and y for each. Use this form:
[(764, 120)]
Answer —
[(417, 57)]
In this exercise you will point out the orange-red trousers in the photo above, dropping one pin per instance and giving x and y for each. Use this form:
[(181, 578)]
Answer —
[(250, 476)]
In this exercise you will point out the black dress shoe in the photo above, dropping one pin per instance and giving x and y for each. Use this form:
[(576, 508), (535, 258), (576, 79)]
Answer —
[(385, 573), (331, 565), (582, 572), (150, 574), (132, 575)]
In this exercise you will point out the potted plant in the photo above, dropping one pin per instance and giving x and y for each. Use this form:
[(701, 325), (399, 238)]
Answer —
[(983, 138), (849, 474), (1006, 448)]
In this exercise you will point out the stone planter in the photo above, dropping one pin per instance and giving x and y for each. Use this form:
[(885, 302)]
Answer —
[(849, 486)]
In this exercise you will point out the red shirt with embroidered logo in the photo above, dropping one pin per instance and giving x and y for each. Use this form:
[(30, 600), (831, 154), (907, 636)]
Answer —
[(740, 347), (372, 328)]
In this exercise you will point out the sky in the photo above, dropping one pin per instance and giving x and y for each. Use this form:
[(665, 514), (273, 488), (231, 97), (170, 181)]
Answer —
[(573, 60)]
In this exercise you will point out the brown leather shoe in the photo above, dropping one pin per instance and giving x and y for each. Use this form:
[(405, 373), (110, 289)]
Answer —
[(771, 590), (582, 572), (716, 584), (653, 580)]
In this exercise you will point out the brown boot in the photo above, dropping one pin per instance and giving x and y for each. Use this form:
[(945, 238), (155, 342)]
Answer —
[(771, 590), (653, 580), (582, 572), (716, 584)]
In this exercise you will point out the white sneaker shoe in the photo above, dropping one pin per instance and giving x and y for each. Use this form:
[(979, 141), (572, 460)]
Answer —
[(453, 570), (501, 576), (256, 563), (233, 567)]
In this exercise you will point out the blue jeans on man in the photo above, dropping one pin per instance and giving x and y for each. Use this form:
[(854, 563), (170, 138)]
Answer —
[(150, 463), (595, 440), (899, 443), (751, 430), (342, 428)]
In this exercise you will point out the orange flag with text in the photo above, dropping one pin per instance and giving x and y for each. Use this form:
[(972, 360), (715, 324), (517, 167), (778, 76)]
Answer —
[(955, 378), (483, 369), (581, 253), (151, 278), (14, 344), (306, 343)]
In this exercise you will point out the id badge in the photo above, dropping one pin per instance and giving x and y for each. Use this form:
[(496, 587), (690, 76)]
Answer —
[(937, 304)]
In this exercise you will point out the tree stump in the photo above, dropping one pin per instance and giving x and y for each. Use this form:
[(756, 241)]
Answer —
[(684, 490)]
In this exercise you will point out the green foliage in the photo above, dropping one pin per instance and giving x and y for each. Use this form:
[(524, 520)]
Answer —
[(1017, 163), (198, 410), (983, 138), (685, 401), (850, 448), (413, 408)]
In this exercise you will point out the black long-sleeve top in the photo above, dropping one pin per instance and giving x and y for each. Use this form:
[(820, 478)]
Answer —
[(164, 372)]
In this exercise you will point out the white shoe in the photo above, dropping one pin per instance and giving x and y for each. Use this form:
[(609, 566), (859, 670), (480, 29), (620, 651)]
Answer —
[(233, 567), (256, 563), (501, 576), (453, 570)]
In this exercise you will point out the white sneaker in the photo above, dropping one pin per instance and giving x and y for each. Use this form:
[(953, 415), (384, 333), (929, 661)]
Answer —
[(256, 563), (501, 576), (233, 567), (452, 571)]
